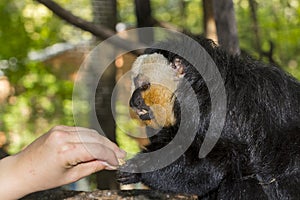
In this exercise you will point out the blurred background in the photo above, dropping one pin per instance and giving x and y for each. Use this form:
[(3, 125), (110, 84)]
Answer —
[(43, 43)]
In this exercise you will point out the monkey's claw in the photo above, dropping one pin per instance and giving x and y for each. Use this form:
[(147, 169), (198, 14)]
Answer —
[(128, 178)]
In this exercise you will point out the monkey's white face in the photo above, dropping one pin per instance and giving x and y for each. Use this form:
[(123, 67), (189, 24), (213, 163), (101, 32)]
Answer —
[(154, 82)]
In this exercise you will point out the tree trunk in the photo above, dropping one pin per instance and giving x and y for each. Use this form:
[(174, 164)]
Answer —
[(226, 25), (105, 14), (210, 29), (182, 11), (144, 19), (253, 7), (257, 35)]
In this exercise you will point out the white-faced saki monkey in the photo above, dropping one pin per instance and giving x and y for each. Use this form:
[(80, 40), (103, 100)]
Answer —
[(258, 153)]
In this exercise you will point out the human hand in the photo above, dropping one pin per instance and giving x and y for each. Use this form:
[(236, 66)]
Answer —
[(61, 156)]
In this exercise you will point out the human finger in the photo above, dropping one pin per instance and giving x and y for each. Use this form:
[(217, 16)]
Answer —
[(77, 153), (86, 135), (84, 169)]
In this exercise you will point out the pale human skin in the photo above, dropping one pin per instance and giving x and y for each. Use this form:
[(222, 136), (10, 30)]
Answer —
[(61, 156)]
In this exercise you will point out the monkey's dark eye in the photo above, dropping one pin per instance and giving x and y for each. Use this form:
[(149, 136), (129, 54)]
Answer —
[(145, 86), (176, 63)]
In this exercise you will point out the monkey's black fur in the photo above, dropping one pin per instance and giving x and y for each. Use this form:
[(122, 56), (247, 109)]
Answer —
[(258, 153)]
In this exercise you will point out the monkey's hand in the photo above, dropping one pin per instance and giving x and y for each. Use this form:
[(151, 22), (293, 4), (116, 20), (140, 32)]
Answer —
[(127, 173)]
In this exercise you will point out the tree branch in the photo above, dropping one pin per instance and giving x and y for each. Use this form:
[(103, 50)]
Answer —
[(97, 30)]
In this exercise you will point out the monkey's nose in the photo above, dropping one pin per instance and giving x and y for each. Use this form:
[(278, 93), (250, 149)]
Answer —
[(136, 100)]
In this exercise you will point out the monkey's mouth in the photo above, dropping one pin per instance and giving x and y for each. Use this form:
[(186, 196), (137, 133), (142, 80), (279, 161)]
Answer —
[(144, 114)]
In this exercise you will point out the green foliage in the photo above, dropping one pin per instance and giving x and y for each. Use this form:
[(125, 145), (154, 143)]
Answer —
[(12, 28), (126, 12), (42, 102), (278, 21), (184, 14)]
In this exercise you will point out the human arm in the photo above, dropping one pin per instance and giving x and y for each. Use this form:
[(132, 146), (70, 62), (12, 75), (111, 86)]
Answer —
[(61, 156)]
